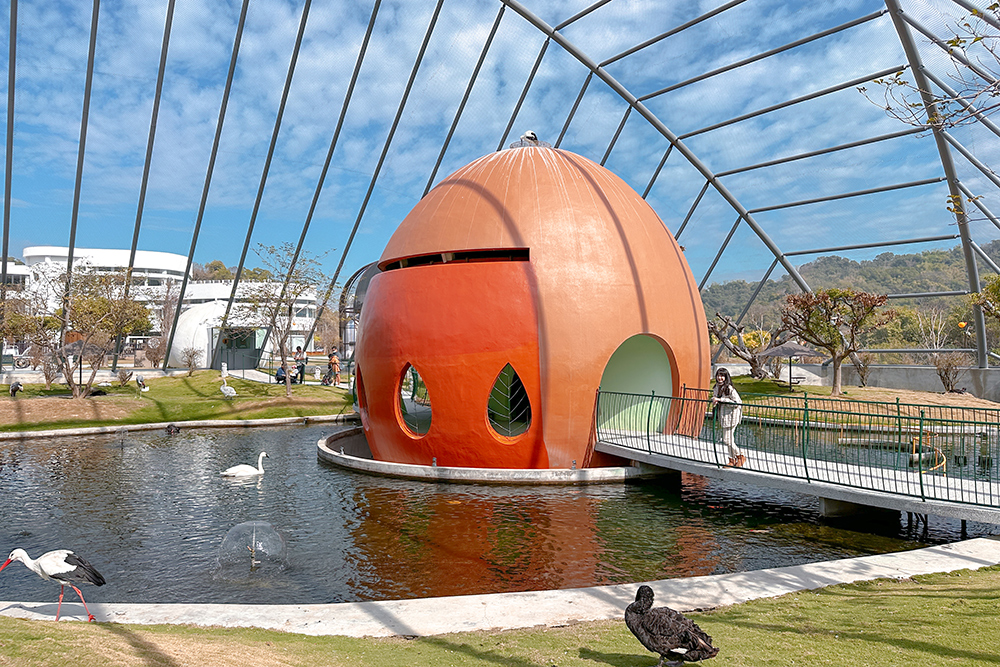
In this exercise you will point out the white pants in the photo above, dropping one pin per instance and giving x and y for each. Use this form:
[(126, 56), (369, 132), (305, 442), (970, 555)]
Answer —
[(730, 442)]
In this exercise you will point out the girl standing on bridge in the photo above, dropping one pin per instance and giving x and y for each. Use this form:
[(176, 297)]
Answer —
[(729, 412)]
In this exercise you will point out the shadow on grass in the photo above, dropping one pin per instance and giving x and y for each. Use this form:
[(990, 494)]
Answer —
[(480, 654), (193, 389), (145, 650), (615, 659), (906, 643)]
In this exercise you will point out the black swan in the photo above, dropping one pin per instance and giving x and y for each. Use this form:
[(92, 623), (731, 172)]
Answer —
[(667, 632)]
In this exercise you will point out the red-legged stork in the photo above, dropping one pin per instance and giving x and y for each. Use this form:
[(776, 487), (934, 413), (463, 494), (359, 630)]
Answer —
[(63, 566)]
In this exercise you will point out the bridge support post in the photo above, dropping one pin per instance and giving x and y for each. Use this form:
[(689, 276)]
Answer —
[(836, 509)]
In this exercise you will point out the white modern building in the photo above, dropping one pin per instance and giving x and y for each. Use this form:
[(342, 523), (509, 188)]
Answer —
[(204, 301), (153, 267), (17, 273)]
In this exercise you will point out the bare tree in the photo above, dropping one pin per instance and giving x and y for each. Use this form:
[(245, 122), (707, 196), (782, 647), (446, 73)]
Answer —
[(932, 323), (124, 376), (328, 330), (950, 366), (191, 358), (746, 345), (155, 349), (863, 365), (50, 371), (276, 305)]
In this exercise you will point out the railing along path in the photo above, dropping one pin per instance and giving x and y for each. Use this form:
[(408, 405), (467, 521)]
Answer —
[(945, 456)]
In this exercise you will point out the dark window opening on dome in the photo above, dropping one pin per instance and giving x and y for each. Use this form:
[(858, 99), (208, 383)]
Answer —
[(466, 256), (360, 386), (509, 409), (414, 402)]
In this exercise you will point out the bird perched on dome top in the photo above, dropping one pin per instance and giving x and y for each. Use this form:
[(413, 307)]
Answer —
[(529, 138)]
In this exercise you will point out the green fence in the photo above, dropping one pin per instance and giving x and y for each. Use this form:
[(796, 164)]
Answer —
[(925, 451)]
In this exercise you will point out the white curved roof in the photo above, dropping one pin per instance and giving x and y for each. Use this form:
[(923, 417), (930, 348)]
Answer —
[(146, 261)]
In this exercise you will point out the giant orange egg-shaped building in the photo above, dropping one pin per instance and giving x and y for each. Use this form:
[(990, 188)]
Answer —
[(512, 291)]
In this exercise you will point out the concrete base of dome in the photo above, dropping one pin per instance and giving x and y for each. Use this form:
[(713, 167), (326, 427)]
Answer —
[(349, 449)]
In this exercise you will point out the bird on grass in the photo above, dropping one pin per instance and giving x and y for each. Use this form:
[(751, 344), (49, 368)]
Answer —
[(667, 632), (63, 566), (15, 387), (226, 390), (244, 470)]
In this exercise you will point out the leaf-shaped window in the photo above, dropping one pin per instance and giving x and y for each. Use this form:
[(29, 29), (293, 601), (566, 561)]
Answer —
[(359, 387), (509, 409), (414, 401)]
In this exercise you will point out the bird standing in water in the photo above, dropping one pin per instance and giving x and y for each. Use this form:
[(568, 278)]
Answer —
[(244, 470), (667, 632), (62, 566)]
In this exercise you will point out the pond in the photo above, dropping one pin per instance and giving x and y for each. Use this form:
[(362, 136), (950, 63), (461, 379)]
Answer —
[(150, 511)]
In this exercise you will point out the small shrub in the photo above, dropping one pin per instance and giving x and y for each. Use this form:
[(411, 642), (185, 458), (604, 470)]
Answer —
[(123, 377), (863, 364), (949, 366), (191, 358), (155, 347)]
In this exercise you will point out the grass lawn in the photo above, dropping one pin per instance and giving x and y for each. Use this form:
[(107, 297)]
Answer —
[(169, 399), (939, 619)]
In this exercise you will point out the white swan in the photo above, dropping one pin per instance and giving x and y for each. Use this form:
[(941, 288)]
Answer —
[(244, 470)]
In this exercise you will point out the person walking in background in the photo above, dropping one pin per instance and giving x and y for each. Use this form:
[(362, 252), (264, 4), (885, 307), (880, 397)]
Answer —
[(335, 366), (730, 413), (300, 363)]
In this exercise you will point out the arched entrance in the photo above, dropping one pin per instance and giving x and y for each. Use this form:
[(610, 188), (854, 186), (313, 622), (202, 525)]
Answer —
[(640, 365)]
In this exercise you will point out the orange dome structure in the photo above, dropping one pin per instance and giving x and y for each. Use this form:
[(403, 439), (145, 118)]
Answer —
[(514, 290)]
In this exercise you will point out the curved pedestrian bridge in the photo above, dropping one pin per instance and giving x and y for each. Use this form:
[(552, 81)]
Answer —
[(914, 458)]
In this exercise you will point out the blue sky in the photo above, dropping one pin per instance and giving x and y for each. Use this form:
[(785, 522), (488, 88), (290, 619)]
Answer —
[(51, 66)]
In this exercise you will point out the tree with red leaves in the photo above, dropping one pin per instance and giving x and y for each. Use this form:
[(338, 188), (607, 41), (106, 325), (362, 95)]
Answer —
[(835, 320)]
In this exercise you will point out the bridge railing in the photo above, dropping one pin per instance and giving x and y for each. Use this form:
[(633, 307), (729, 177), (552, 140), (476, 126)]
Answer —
[(926, 451)]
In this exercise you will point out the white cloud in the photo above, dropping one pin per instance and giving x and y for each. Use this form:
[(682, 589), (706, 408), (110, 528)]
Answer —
[(52, 52)]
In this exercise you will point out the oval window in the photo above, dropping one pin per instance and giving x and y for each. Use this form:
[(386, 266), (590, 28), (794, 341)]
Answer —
[(414, 401), (509, 409)]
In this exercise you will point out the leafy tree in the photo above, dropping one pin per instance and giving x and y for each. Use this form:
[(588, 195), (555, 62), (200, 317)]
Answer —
[(835, 320), (258, 275), (988, 298), (216, 270)]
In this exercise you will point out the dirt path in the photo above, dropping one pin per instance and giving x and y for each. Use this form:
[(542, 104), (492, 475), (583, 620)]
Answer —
[(917, 397), (62, 408)]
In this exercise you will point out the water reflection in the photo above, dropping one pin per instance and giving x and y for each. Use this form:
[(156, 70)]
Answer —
[(150, 512)]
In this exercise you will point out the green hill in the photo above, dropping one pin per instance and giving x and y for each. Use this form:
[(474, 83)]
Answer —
[(888, 273)]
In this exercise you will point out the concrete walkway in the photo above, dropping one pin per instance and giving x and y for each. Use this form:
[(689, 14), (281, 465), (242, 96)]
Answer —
[(433, 616)]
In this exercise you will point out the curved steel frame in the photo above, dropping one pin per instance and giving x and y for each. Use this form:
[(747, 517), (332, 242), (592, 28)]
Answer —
[(635, 105)]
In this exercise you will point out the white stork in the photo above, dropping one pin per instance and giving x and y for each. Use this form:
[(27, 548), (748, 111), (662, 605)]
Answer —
[(63, 566), (244, 470)]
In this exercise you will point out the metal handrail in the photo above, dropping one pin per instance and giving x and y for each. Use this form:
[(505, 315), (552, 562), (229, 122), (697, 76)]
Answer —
[(867, 445)]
